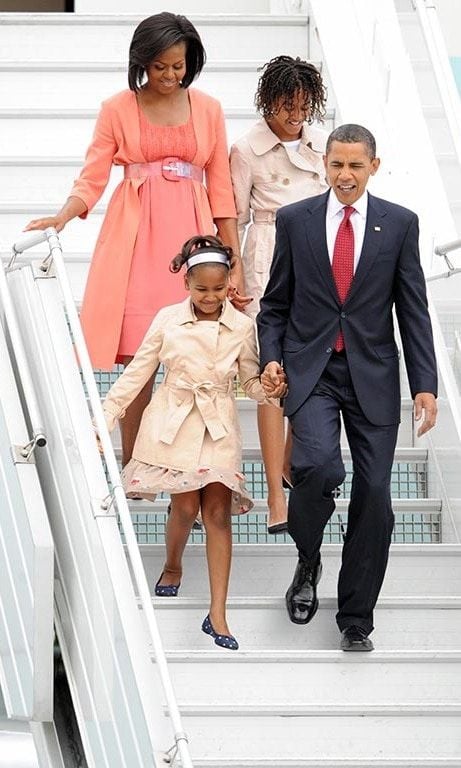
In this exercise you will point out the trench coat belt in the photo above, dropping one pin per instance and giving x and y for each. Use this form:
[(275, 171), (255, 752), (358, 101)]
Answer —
[(264, 217), (203, 395), (171, 168)]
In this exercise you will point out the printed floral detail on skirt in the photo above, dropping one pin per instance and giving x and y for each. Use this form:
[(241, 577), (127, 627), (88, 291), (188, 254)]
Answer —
[(146, 481)]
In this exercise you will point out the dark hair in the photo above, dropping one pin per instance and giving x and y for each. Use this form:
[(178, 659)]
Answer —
[(281, 80), (157, 33), (350, 133), (201, 244)]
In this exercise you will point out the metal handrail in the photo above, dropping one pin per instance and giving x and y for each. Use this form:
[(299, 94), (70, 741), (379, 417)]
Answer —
[(427, 13), (443, 250), (118, 494), (37, 430)]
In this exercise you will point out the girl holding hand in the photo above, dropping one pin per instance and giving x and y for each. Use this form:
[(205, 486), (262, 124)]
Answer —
[(189, 439)]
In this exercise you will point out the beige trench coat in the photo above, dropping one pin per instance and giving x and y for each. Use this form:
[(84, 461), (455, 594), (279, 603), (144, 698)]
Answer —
[(265, 176), (192, 419)]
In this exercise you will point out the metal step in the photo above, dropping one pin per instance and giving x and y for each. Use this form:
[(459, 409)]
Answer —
[(49, 37), (261, 623), (255, 678), (85, 84), (248, 422), (402, 737), (408, 480), (49, 130), (416, 521), (340, 762), (267, 569)]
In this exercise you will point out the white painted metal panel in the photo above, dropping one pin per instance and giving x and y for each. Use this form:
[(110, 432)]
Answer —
[(114, 686), (26, 567)]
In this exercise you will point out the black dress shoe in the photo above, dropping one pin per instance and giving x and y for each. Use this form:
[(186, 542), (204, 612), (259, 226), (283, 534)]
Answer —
[(301, 597), (355, 639)]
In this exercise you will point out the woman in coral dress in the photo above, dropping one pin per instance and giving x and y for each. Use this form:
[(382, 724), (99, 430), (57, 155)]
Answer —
[(170, 139)]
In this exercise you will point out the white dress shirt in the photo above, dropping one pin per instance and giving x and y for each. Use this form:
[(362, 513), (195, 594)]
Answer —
[(335, 214)]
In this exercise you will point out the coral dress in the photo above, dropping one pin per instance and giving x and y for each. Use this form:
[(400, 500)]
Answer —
[(168, 218)]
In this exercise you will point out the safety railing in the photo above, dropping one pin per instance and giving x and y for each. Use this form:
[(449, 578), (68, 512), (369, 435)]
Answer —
[(117, 496), (443, 250), (26, 545), (430, 25), (444, 442)]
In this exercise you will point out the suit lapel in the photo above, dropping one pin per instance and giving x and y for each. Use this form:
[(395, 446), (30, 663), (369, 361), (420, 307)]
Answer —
[(371, 243), (315, 229)]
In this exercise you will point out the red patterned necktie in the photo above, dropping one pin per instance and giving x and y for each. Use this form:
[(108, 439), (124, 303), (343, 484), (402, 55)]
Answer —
[(343, 262)]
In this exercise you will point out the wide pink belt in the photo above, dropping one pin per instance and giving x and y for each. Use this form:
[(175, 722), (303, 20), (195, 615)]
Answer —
[(171, 168)]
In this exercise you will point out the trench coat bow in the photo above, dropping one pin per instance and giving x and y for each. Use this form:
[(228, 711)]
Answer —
[(203, 395)]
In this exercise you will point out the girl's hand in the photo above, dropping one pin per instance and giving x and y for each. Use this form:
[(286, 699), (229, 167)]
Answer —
[(274, 380), (239, 302), (98, 440), (50, 221)]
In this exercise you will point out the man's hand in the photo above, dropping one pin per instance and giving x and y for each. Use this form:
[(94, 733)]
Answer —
[(425, 404), (274, 380)]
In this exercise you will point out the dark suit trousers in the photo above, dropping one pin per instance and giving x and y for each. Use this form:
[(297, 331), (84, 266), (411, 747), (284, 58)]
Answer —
[(317, 468)]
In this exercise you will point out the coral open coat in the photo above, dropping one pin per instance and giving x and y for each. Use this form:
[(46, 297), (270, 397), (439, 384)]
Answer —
[(116, 140)]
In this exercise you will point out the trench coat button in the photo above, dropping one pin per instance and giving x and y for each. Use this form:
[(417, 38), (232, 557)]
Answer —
[(286, 182), (274, 176), (329, 350)]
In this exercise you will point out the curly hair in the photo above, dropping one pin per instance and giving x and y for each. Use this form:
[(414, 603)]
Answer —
[(201, 244), (158, 33), (283, 77)]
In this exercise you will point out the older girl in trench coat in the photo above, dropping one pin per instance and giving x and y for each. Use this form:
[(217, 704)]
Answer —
[(279, 161)]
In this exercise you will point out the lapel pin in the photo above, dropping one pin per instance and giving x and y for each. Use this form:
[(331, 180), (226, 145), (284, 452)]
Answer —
[(377, 229)]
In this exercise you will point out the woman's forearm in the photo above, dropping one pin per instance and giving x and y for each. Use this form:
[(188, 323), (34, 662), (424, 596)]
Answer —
[(227, 231)]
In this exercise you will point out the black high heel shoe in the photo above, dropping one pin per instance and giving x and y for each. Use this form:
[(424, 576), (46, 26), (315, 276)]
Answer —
[(277, 528), (224, 641), (286, 483)]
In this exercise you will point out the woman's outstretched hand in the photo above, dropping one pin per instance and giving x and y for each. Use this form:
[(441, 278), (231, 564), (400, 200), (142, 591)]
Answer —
[(49, 221)]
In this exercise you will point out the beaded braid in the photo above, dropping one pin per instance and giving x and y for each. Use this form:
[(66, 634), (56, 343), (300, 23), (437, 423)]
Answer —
[(281, 80), (194, 245)]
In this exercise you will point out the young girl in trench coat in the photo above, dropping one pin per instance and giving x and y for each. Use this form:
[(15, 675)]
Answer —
[(189, 440)]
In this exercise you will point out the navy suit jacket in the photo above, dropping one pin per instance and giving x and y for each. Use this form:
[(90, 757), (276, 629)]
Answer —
[(301, 313)]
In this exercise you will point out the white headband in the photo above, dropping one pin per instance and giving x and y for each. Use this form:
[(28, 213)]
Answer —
[(210, 257)]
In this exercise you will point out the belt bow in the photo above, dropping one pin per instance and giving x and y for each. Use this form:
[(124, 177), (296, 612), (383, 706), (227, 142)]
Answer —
[(203, 395)]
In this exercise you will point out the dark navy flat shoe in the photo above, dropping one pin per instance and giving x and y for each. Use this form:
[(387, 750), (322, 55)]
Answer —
[(166, 590), (224, 641)]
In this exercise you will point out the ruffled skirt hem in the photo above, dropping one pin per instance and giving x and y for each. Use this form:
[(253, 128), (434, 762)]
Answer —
[(146, 481)]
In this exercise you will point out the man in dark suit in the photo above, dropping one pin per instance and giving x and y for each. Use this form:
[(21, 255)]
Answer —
[(342, 261)]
